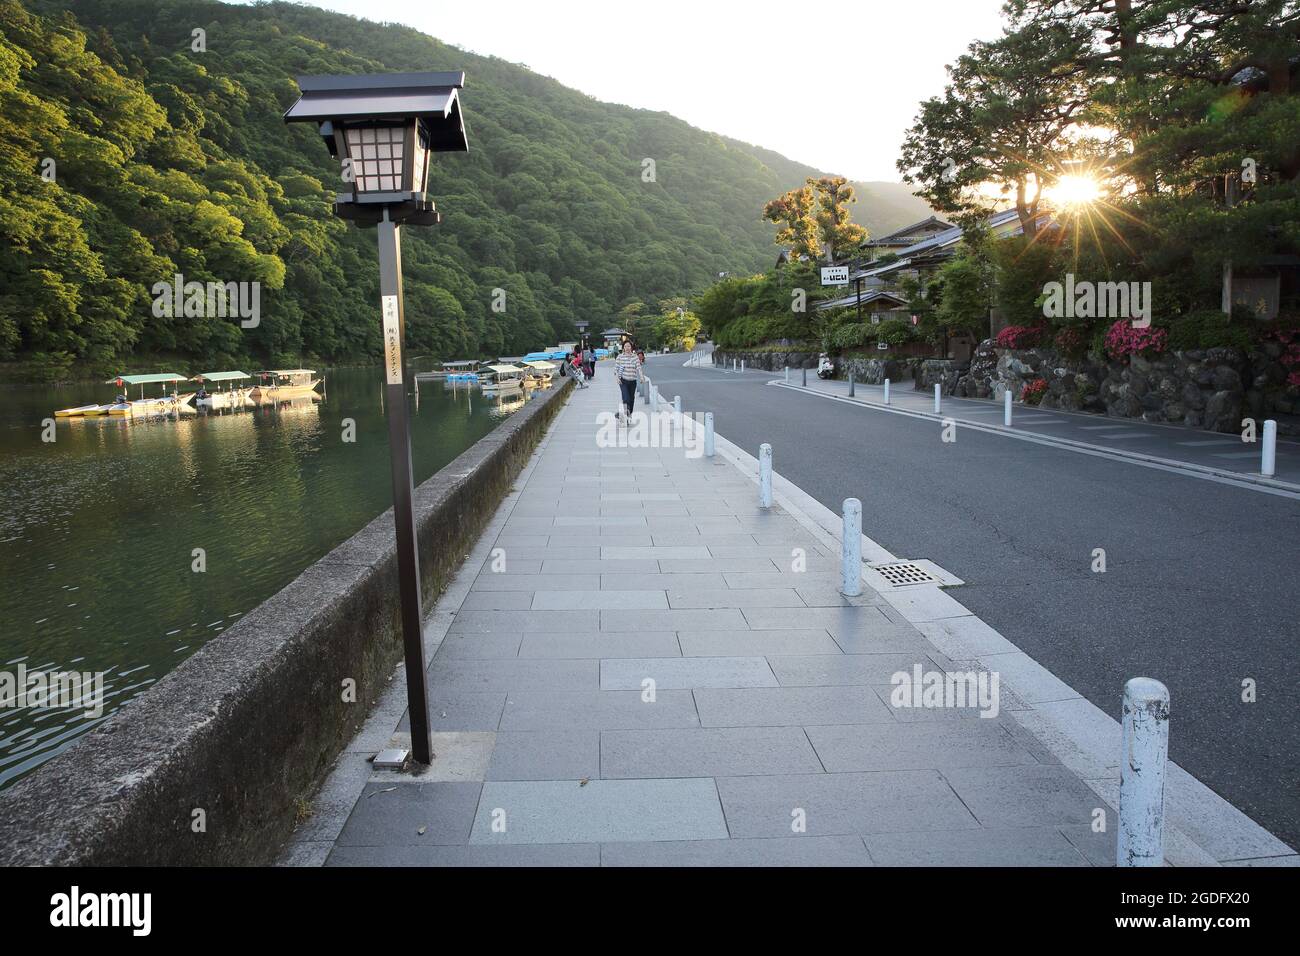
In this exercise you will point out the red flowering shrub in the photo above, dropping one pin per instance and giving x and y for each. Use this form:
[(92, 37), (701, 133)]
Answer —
[(1122, 339), (1289, 339), (1034, 391), (1020, 337)]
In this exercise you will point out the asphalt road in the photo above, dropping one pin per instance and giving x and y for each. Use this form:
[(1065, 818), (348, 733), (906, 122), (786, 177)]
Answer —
[(1199, 592)]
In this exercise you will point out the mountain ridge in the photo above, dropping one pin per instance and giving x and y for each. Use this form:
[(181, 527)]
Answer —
[(175, 160)]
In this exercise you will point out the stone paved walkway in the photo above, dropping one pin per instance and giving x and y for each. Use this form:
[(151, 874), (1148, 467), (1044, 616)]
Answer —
[(634, 670)]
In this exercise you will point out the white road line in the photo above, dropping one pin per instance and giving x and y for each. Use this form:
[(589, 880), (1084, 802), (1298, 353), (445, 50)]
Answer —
[(1246, 480)]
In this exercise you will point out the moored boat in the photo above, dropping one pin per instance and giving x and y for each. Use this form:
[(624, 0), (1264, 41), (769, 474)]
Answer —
[(504, 378), (539, 372), (279, 384), (124, 407), (463, 370), (231, 396)]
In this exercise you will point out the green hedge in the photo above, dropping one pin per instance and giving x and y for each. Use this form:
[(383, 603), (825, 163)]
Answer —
[(1209, 329)]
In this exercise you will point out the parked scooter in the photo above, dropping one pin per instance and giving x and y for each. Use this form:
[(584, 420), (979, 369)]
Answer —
[(825, 367)]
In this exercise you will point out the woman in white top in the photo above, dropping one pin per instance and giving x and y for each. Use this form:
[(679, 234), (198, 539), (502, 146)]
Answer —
[(627, 372)]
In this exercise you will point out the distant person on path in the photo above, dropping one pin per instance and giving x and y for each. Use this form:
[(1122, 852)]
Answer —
[(627, 372), (588, 362)]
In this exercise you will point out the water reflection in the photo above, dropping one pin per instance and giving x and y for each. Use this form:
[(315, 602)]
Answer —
[(99, 529)]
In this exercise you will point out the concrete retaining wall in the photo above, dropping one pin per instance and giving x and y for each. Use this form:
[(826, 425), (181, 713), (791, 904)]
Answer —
[(240, 734)]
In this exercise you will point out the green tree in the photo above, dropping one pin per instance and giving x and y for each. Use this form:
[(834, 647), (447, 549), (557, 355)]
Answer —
[(794, 214), (838, 235), (1004, 124)]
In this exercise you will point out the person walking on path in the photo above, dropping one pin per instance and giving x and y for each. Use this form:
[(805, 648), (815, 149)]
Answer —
[(588, 362), (627, 372)]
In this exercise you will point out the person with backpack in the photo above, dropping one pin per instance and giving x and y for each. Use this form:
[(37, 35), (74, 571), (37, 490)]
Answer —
[(575, 369)]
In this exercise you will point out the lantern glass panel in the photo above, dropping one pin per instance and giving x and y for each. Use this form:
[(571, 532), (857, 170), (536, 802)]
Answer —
[(421, 169), (377, 153)]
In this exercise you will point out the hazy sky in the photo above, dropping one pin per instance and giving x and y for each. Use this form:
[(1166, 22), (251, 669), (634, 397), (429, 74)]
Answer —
[(831, 85)]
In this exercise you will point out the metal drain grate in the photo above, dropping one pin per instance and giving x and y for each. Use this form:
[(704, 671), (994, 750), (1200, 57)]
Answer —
[(904, 574)]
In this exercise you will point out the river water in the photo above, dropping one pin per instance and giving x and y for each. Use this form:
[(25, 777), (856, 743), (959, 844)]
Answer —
[(98, 529)]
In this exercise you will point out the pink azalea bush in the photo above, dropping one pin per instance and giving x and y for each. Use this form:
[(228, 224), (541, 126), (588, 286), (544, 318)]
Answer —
[(1122, 339)]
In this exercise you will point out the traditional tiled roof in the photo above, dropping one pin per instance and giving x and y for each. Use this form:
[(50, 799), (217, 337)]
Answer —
[(868, 297), (894, 237)]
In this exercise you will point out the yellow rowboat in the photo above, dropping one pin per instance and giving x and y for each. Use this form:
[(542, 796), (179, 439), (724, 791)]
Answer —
[(79, 411)]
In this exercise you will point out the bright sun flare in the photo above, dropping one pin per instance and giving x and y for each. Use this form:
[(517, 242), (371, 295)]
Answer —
[(1075, 191)]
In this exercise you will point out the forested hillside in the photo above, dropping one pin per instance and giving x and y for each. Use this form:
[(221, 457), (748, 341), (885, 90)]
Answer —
[(127, 156)]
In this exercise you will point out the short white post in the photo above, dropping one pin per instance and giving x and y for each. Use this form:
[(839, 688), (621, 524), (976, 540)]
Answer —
[(886, 391), (1144, 753), (1006, 408), (851, 548), (742, 366), (765, 475), (735, 365), (787, 373), (708, 434), (938, 398), (1268, 464), (677, 408)]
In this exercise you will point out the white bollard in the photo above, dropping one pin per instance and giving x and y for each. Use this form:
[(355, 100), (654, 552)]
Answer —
[(742, 366), (1268, 464), (886, 391), (1006, 408), (708, 434), (787, 373), (765, 475), (1144, 754), (735, 366), (851, 548), (938, 398)]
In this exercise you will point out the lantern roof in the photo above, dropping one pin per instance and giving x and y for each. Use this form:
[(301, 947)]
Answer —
[(431, 97)]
